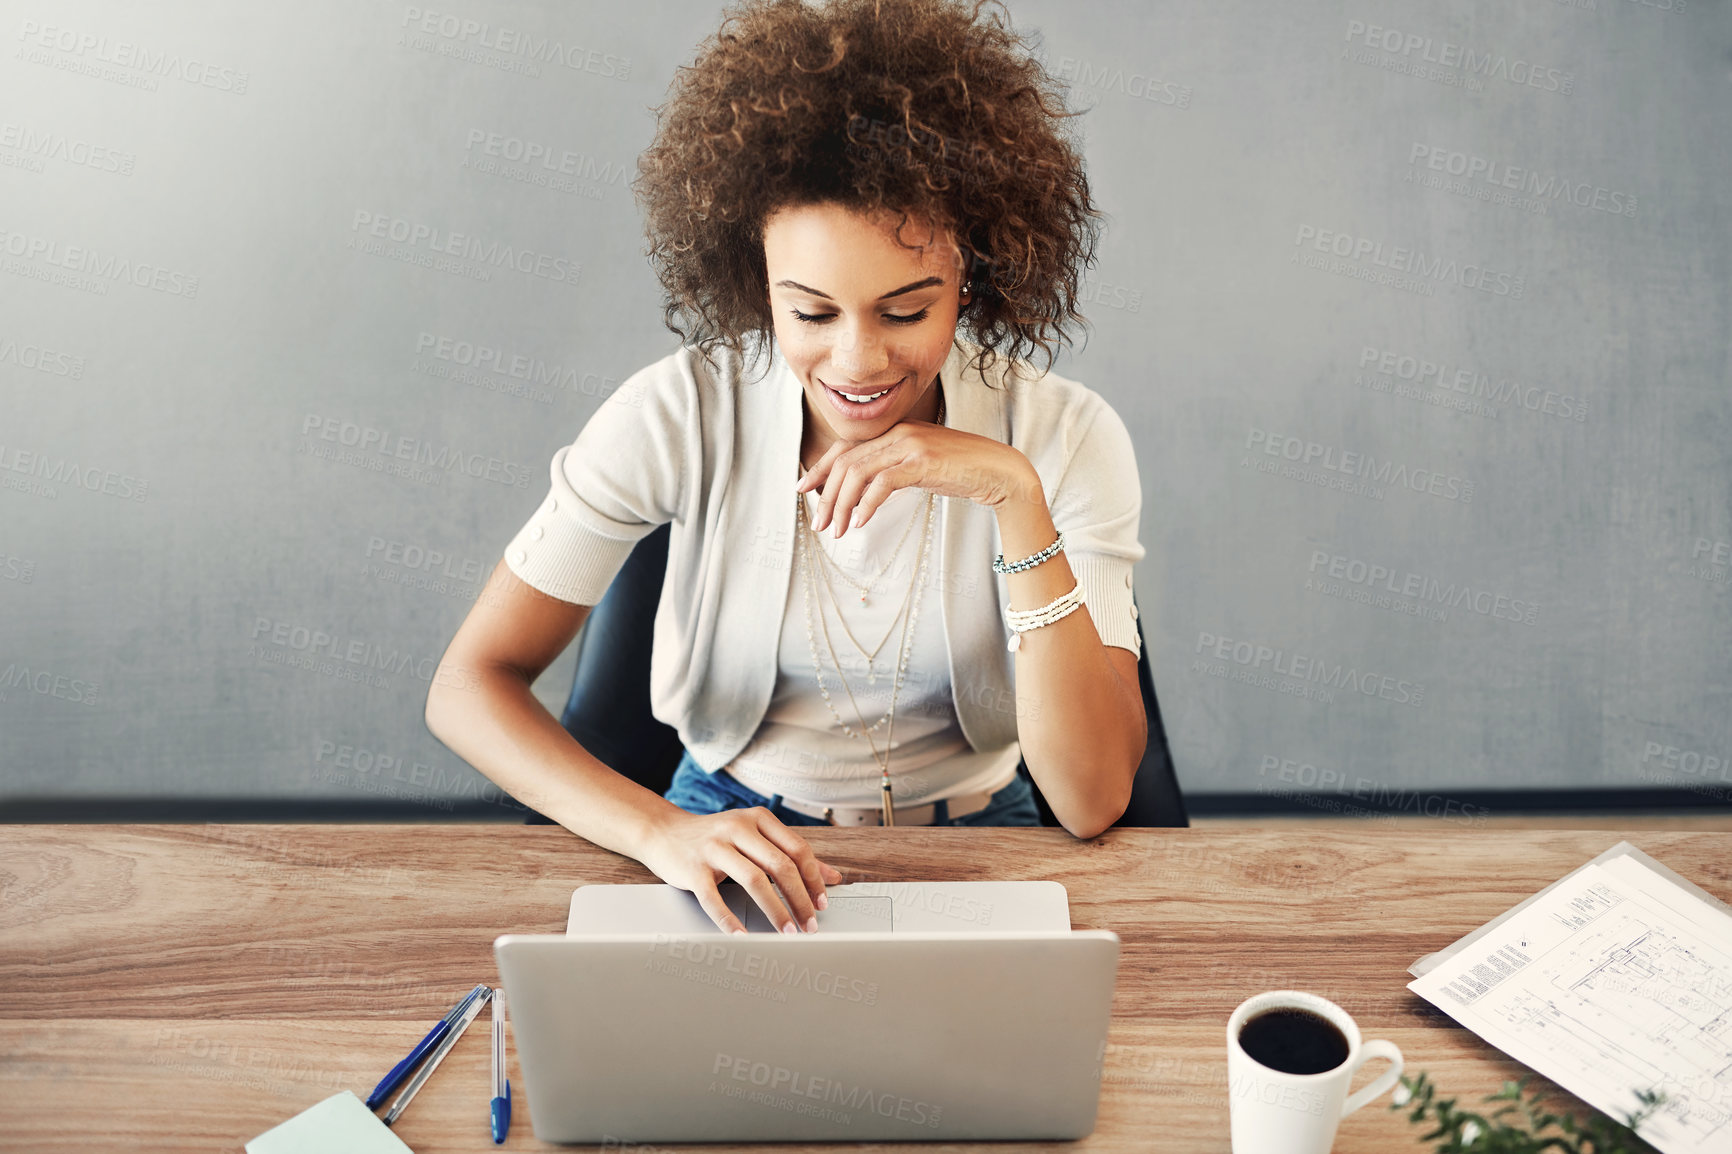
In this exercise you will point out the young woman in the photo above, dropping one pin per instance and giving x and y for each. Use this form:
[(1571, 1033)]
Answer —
[(900, 556)]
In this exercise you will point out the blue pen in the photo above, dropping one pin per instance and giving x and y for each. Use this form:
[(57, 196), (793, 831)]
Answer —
[(501, 1111), (434, 1036)]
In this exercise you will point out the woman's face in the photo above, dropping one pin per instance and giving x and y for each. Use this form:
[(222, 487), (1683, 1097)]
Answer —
[(857, 314)]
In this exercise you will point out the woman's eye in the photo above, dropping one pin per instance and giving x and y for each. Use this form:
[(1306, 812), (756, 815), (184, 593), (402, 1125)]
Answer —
[(820, 318)]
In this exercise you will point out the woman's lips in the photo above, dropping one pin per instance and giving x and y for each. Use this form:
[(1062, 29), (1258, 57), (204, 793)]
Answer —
[(868, 411)]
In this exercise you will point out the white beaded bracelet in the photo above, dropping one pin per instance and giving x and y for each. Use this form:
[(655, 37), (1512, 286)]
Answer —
[(1055, 610)]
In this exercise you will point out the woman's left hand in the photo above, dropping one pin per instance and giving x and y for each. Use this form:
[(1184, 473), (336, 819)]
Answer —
[(858, 476)]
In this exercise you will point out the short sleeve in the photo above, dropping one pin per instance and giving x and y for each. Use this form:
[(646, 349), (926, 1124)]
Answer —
[(1097, 506), (621, 477)]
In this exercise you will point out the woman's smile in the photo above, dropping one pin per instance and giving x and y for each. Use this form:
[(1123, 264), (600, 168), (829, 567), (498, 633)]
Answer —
[(871, 403)]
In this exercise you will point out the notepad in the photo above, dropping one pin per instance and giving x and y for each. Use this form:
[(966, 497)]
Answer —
[(341, 1124)]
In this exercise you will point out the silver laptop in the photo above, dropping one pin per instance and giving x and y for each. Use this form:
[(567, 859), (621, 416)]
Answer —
[(643, 1024)]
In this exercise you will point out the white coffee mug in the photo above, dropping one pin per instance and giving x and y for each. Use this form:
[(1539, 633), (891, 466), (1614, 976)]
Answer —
[(1274, 1112)]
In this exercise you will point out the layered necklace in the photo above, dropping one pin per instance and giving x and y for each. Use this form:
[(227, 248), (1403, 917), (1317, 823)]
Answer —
[(810, 571)]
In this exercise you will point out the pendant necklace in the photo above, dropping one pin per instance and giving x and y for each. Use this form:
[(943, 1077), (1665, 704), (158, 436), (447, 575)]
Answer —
[(809, 585)]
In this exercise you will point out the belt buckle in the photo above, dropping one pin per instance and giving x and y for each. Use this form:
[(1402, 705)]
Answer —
[(870, 812), (866, 812)]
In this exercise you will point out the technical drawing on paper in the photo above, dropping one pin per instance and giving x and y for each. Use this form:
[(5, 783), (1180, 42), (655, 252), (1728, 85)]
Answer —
[(1632, 999)]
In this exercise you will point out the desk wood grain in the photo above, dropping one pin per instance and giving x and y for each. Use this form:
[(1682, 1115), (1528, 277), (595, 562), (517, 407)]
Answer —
[(183, 988)]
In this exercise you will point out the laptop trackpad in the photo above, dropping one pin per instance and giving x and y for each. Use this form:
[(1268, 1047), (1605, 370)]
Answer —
[(844, 915)]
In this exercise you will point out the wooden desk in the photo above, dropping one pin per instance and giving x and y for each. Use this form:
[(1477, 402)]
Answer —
[(183, 988)]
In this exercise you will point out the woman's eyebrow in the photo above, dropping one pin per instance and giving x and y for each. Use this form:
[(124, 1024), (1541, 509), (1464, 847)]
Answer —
[(929, 282)]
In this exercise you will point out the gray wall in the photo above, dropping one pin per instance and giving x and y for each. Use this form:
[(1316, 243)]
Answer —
[(1436, 469)]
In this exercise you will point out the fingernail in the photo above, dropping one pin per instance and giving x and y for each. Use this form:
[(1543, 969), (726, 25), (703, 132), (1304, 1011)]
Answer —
[(812, 924), (857, 521), (823, 901), (790, 928)]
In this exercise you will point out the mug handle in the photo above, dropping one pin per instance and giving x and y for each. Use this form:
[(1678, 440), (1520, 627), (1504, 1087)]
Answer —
[(1375, 1049)]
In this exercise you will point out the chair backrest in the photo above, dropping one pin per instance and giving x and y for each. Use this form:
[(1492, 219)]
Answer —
[(608, 709)]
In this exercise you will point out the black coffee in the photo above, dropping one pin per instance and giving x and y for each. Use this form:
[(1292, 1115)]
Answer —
[(1293, 1041)]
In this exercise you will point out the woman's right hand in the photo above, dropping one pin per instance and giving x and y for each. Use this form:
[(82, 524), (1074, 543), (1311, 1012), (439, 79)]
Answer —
[(697, 851)]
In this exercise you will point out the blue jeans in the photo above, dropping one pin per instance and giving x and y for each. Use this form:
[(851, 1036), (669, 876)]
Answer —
[(697, 791)]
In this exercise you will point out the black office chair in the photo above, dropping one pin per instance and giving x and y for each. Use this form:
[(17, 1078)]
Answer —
[(609, 707)]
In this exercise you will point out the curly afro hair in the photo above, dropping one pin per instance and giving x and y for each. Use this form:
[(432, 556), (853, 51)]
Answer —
[(912, 107)]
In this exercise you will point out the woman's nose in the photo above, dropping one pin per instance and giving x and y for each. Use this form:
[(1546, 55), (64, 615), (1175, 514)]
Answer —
[(859, 354)]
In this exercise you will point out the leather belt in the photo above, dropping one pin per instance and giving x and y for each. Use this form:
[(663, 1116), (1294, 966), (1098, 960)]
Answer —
[(849, 815)]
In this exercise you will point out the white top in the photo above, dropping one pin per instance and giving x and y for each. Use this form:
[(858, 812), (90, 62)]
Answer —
[(800, 750), (715, 450)]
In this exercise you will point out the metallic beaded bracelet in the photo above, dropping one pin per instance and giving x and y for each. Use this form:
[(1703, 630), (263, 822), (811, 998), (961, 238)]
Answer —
[(1047, 554)]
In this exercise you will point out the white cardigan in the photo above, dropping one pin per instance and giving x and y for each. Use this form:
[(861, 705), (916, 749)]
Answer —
[(715, 451)]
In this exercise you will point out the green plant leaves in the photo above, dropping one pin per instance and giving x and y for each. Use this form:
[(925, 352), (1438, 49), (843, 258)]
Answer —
[(1521, 1124)]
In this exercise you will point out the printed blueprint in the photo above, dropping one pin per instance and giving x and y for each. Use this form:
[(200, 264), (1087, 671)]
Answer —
[(1615, 981)]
